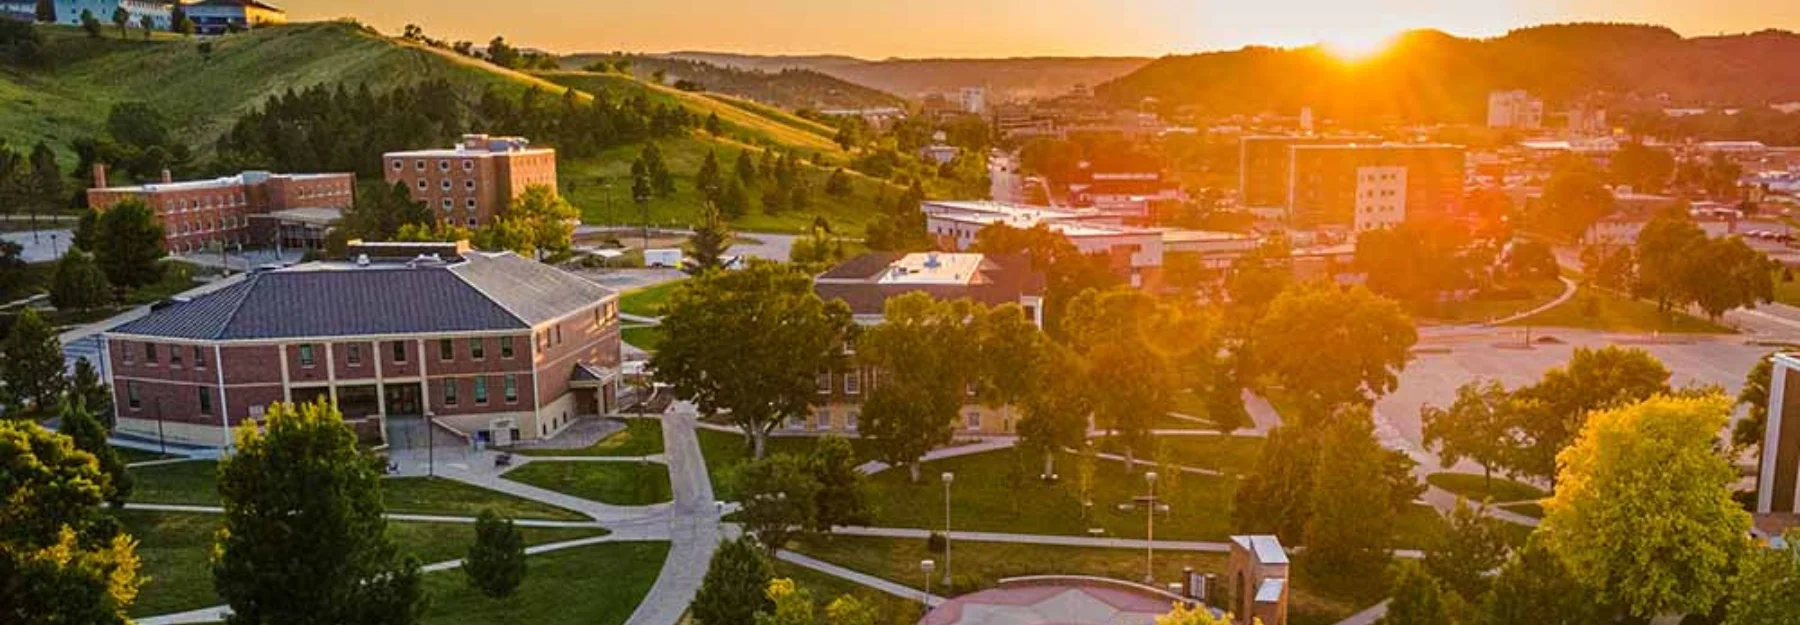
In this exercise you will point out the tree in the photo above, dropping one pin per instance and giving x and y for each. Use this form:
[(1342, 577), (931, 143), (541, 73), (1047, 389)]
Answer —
[(838, 184), (65, 560), (1574, 199), (128, 244), (1644, 169), (706, 248), (733, 590), (304, 539), (745, 168), (1009, 357), (1551, 412), (1662, 252), (502, 233), (495, 565), (1181, 614), (708, 180), (1766, 589), (713, 126), (1748, 432), (31, 361), (1056, 412), (1535, 587), (1532, 259), (1723, 274), (799, 197), (85, 385), (924, 351), (839, 500), (1478, 426), (848, 610), (1132, 344), (780, 498), (750, 343), (46, 10), (1418, 597), (661, 181), (179, 21), (1369, 338), (381, 210), (121, 18), (734, 202), (87, 434), (1470, 546), (46, 178), (546, 217), (90, 23), (15, 277), (148, 24), (1643, 513), (789, 604), (1276, 497), (1352, 508), (78, 283)]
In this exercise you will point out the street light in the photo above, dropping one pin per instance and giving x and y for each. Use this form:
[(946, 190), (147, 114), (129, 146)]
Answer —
[(430, 445), (948, 478), (927, 566), (1150, 530)]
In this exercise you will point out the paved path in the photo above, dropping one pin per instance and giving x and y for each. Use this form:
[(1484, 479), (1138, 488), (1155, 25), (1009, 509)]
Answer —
[(985, 445), (1568, 293), (1445, 501), (899, 590), (393, 516), (1370, 616), (1060, 541), (694, 530)]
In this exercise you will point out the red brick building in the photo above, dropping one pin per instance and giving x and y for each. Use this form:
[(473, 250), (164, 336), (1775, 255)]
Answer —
[(469, 184), (491, 345), (197, 212)]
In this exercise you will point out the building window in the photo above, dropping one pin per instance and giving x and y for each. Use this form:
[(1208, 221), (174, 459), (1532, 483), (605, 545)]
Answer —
[(824, 382), (446, 204), (476, 349), (397, 165), (852, 420), (353, 354), (306, 355), (205, 400), (973, 419), (449, 391), (149, 353), (419, 165), (133, 397), (468, 185), (511, 388), (558, 335), (399, 352), (130, 355), (175, 355), (852, 383), (421, 184), (481, 390), (471, 222), (469, 203), (446, 349), (199, 358), (506, 348), (443, 165), (444, 184), (468, 165)]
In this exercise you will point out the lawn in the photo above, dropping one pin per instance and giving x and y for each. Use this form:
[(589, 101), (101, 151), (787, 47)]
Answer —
[(826, 588), (615, 483), (646, 338), (1531, 509), (129, 455), (1230, 454), (174, 548), (648, 301), (196, 483), (1477, 489), (1536, 293), (979, 565), (723, 451), (598, 584), (1594, 309), (641, 437)]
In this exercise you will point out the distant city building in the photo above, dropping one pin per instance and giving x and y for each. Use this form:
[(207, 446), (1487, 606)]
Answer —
[(243, 209), (1324, 182), (214, 17), (469, 184), (1514, 109), (68, 12), (492, 346), (1136, 253), (1586, 120), (972, 100), (1129, 188), (1265, 163), (939, 153), (1380, 198)]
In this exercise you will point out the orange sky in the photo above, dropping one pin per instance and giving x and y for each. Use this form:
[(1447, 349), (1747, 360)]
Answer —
[(915, 28)]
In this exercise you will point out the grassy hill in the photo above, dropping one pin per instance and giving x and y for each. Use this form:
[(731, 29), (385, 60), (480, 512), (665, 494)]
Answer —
[(1023, 77), (790, 88), (202, 95)]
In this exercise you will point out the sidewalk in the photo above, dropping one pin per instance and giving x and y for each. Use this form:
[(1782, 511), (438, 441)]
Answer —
[(862, 579), (694, 530), (1062, 541)]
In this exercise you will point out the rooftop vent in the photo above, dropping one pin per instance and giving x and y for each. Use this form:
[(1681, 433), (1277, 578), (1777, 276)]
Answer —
[(931, 261), (362, 260)]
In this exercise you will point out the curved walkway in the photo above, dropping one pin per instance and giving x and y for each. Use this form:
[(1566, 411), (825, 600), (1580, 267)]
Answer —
[(1569, 290)]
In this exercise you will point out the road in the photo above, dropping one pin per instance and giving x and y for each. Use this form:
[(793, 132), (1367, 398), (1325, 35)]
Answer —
[(41, 246)]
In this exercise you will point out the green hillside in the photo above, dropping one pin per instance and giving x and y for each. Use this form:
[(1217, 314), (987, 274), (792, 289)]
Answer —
[(203, 96)]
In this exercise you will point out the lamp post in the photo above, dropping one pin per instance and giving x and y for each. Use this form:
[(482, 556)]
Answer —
[(1150, 530), (927, 566), (430, 444), (948, 478)]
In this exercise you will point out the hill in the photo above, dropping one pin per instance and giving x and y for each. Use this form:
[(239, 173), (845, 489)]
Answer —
[(203, 95), (1432, 76), (787, 88), (1024, 77)]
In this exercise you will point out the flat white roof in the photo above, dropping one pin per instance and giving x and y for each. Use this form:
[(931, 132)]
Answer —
[(932, 268), (461, 152)]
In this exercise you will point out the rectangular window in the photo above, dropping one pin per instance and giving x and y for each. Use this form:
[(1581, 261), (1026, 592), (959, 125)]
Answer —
[(175, 355), (353, 354), (481, 390), (512, 388), (824, 382), (399, 351), (558, 335), (132, 397), (852, 383), (477, 350), (205, 400), (150, 353), (852, 421), (129, 354), (446, 349), (449, 391), (973, 419), (199, 358), (506, 348), (306, 355)]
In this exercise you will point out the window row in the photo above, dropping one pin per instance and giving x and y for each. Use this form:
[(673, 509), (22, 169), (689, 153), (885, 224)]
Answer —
[(203, 398), (452, 389), (353, 352), (468, 164), (154, 354), (444, 185), (182, 206)]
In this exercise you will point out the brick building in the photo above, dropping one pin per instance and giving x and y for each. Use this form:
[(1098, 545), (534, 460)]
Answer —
[(197, 212), (469, 184), (1326, 180), (494, 346)]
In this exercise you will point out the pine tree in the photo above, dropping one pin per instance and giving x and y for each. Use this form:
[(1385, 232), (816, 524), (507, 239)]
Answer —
[(496, 562), (707, 247), (714, 127), (128, 244), (708, 181), (78, 283), (46, 178), (744, 168), (87, 386), (799, 199), (774, 199), (31, 360), (89, 435), (838, 185), (733, 590), (735, 201)]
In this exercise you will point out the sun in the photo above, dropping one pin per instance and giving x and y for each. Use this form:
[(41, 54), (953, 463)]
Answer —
[(1357, 45)]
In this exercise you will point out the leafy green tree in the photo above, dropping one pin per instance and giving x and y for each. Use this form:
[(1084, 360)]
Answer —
[(1766, 589), (924, 349), (1551, 412), (495, 564), (774, 198), (1353, 512), (1181, 614), (790, 604), (799, 197), (78, 283), (1419, 599), (838, 184), (1225, 409), (840, 499), (750, 343), (780, 498), (502, 233), (1133, 345), (733, 591), (1645, 169), (848, 610), (31, 361), (546, 217), (64, 560), (1748, 432), (86, 386), (706, 248), (1369, 338), (1643, 513), (128, 244), (1574, 198), (380, 210), (1276, 497), (179, 22), (15, 274), (1478, 426), (1470, 546), (89, 435), (745, 168), (1535, 587), (148, 24), (46, 179), (304, 539), (1009, 358), (90, 23), (121, 18), (1723, 274)]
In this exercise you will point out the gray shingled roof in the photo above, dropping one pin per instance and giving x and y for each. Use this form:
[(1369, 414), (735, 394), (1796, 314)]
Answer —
[(497, 292)]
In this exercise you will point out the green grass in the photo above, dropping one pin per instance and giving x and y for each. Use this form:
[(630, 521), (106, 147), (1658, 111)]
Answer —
[(1594, 309), (826, 588), (775, 115), (740, 123), (593, 585), (980, 565), (196, 483), (616, 483), (1476, 489), (129, 455), (724, 451), (648, 301), (1531, 509), (646, 338), (1231, 454), (174, 548), (1541, 291), (177, 277), (641, 437)]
